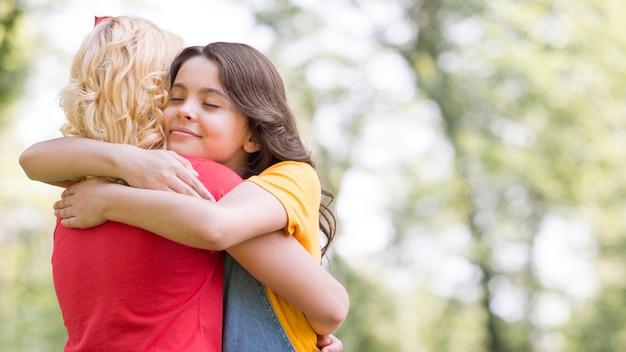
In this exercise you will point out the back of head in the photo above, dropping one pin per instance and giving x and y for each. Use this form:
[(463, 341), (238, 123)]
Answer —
[(119, 82)]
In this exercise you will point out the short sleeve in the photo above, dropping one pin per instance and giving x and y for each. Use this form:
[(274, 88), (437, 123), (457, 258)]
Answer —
[(297, 186)]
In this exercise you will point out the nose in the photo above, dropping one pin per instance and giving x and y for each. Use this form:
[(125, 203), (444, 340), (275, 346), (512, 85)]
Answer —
[(186, 111)]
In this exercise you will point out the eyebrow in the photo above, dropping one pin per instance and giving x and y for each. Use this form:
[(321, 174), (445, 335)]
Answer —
[(206, 90)]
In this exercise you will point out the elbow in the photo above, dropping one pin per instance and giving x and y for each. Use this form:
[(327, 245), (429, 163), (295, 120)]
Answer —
[(211, 236), (32, 163), (340, 313), (25, 161), (220, 228), (334, 317), (331, 325)]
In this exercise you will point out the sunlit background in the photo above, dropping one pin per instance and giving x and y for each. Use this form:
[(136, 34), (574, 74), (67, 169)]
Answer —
[(476, 149)]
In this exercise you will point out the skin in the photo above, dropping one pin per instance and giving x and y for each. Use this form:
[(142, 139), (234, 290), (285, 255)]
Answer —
[(202, 121), (197, 117)]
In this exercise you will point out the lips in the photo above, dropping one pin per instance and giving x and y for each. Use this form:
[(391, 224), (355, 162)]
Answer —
[(181, 131)]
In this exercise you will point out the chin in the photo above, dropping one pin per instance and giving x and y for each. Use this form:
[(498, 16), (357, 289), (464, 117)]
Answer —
[(182, 149)]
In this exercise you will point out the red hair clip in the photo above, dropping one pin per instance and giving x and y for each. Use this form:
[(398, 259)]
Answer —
[(100, 19)]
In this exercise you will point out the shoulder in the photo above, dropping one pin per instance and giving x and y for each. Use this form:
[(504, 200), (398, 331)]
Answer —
[(296, 170), (299, 179)]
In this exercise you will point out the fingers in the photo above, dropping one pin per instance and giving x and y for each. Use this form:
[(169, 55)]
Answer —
[(181, 187), (67, 222), (67, 192), (188, 182), (65, 215), (329, 343), (201, 191), (191, 185), (59, 204), (196, 188), (61, 209), (208, 196), (185, 163), (323, 340), (71, 223)]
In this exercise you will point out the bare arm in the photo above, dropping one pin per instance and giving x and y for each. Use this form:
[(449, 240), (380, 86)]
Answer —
[(245, 212), (68, 159), (63, 160), (287, 268), (282, 264)]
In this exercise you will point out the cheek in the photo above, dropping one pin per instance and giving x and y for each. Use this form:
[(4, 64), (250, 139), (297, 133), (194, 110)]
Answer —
[(168, 115), (212, 126)]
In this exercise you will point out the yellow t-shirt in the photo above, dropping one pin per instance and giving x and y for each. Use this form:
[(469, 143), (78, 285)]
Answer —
[(297, 187)]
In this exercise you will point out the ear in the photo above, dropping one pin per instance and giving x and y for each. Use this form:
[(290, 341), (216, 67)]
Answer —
[(251, 145)]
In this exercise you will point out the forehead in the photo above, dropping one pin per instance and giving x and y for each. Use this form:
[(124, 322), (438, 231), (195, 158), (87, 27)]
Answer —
[(198, 71)]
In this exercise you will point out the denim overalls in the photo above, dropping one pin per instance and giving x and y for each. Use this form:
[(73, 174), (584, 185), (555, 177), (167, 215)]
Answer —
[(250, 323)]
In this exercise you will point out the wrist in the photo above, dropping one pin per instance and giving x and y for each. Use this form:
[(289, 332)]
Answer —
[(107, 196), (118, 158)]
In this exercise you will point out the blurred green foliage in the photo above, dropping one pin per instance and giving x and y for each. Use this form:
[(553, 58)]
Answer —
[(13, 53), (525, 104)]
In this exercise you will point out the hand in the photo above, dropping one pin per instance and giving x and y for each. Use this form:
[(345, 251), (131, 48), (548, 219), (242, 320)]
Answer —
[(329, 343), (80, 205), (163, 170)]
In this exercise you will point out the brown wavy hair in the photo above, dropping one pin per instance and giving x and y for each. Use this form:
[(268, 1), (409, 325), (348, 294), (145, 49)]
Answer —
[(255, 87)]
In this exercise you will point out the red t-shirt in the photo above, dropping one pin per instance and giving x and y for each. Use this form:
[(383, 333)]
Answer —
[(121, 288)]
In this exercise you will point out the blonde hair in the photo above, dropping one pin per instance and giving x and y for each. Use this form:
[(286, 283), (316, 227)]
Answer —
[(119, 83)]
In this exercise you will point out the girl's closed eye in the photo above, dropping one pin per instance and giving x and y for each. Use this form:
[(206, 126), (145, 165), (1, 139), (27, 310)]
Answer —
[(211, 101), (177, 94)]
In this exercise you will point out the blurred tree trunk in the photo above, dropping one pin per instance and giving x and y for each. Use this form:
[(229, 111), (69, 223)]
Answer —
[(432, 17)]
